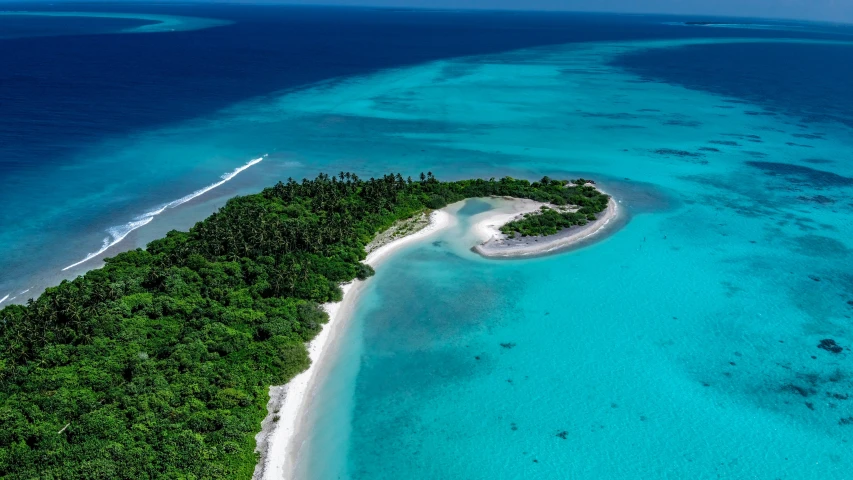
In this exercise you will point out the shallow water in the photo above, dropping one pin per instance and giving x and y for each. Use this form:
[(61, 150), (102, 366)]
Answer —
[(466, 368), (683, 346)]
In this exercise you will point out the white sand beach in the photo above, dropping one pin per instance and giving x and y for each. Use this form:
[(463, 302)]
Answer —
[(496, 244), (488, 227), (280, 435)]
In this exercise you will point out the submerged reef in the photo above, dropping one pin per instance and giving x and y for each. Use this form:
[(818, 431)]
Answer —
[(829, 345), (675, 152), (802, 174)]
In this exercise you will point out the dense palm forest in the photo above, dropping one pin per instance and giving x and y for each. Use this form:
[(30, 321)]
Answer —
[(158, 364), (548, 221)]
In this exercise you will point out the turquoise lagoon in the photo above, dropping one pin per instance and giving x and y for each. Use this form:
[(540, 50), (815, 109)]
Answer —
[(685, 345)]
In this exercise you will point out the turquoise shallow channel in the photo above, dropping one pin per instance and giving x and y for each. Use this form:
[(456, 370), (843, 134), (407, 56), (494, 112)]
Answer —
[(683, 346)]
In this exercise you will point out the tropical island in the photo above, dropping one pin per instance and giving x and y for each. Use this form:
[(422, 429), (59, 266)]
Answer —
[(535, 228), (160, 364)]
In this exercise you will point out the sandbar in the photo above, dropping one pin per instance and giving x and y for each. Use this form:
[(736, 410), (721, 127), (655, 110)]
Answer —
[(497, 244)]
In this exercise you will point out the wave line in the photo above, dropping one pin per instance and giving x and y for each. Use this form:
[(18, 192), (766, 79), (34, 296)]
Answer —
[(118, 233)]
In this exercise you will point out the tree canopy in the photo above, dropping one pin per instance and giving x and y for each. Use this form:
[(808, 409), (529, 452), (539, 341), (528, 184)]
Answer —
[(549, 221), (158, 364)]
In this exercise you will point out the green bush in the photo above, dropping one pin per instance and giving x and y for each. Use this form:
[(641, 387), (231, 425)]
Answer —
[(549, 221)]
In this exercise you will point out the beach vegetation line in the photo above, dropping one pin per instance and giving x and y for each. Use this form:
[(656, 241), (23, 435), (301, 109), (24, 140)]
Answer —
[(158, 365)]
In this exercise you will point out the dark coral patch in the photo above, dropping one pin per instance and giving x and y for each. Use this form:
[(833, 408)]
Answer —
[(821, 199), (799, 173), (621, 126), (820, 246), (676, 153), (802, 391), (683, 123), (611, 116), (829, 345), (810, 136)]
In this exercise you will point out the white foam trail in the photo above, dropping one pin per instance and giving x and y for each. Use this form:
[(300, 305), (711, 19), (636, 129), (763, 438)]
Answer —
[(4, 298), (25, 291), (225, 178), (118, 233)]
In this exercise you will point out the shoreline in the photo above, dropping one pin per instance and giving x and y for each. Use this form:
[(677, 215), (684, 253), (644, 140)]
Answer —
[(494, 244), (279, 439)]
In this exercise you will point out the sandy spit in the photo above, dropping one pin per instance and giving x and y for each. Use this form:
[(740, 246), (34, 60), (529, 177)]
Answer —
[(495, 244)]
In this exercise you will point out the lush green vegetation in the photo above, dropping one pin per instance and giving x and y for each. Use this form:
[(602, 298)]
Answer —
[(158, 364), (548, 221)]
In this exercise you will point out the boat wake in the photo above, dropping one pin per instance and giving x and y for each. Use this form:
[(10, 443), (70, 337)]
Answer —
[(118, 233)]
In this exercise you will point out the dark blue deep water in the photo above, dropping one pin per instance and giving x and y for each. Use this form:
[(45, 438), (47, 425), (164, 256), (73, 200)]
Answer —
[(62, 92), (798, 80), (68, 87)]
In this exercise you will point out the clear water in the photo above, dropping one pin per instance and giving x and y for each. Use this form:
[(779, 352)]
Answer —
[(683, 346)]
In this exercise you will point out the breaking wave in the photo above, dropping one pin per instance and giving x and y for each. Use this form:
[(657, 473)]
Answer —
[(118, 233)]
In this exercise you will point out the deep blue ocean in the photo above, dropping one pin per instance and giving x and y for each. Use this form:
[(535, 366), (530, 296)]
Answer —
[(682, 346)]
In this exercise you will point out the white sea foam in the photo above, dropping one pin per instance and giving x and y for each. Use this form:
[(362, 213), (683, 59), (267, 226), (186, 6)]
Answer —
[(118, 233), (4, 298)]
